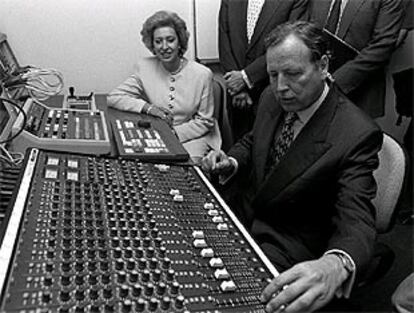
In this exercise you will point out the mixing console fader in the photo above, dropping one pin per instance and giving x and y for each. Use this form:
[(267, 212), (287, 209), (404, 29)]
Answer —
[(94, 234)]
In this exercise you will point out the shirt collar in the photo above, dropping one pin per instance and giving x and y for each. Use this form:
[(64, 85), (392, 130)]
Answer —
[(306, 114)]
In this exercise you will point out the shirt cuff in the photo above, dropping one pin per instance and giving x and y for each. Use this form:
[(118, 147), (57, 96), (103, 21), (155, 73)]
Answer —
[(223, 179), (345, 289), (246, 79)]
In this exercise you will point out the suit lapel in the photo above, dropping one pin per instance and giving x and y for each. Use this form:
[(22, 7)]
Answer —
[(268, 10), (320, 15), (269, 126), (348, 16), (307, 148)]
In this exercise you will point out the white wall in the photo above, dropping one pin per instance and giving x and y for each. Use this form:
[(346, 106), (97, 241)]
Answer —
[(93, 43), (206, 29)]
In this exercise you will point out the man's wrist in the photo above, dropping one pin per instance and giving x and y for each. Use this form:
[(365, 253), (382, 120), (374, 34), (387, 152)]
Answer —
[(343, 263), (246, 79)]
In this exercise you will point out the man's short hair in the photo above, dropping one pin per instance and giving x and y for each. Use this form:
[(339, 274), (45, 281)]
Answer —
[(308, 32)]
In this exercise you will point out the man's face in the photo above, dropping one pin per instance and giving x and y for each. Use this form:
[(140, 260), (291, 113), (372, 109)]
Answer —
[(294, 79)]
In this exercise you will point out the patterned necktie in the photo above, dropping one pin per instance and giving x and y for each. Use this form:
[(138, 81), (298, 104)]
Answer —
[(283, 141), (333, 19), (253, 11)]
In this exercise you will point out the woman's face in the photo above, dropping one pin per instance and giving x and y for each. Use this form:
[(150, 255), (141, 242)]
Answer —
[(166, 45)]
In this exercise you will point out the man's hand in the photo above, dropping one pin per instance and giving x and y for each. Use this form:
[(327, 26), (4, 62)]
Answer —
[(242, 100), (234, 82), (305, 287), (217, 162)]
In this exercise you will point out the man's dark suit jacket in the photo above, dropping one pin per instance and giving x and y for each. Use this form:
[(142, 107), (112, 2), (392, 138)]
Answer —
[(319, 195), (237, 54), (370, 26), (235, 51)]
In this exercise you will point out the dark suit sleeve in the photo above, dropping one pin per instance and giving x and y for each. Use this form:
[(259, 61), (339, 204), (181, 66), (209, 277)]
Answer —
[(256, 71), (242, 152), (354, 219), (376, 54), (226, 56)]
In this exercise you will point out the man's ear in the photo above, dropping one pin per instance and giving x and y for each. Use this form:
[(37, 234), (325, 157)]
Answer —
[(324, 65)]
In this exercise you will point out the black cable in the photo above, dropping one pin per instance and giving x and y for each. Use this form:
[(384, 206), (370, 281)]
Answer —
[(24, 119)]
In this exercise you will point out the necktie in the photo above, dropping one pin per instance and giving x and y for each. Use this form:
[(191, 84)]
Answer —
[(253, 11), (333, 19), (283, 141)]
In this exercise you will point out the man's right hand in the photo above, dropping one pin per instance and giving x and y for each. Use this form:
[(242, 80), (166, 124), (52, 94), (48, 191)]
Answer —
[(242, 100), (217, 162)]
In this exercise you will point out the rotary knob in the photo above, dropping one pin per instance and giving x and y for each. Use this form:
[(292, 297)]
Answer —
[(128, 252), (140, 305), (170, 274), (121, 277), (46, 296), (165, 303), (79, 279), (119, 264), (142, 263), (150, 252), (93, 279), (153, 263), (64, 295), (166, 263), (106, 278), (94, 293), (48, 281), (133, 276), (156, 275), (123, 291), (107, 293), (49, 266), (65, 266), (179, 302), (136, 290), (127, 306), (145, 276), (65, 280), (161, 288), (131, 264), (149, 289), (174, 288), (153, 304), (79, 295)]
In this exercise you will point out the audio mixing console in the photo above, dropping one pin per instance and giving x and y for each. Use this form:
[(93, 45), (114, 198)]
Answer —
[(147, 139), (62, 129), (94, 234)]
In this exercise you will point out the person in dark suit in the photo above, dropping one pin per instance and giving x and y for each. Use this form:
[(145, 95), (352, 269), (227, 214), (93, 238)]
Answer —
[(372, 28), (243, 24), (310, 208)]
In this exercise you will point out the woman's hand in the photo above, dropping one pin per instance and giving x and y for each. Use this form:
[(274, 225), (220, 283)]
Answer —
[(162, 113), (168, 116)]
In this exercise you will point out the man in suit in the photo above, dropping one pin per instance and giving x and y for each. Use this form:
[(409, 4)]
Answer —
[(243, 24), (372, 28), (308, 201)]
